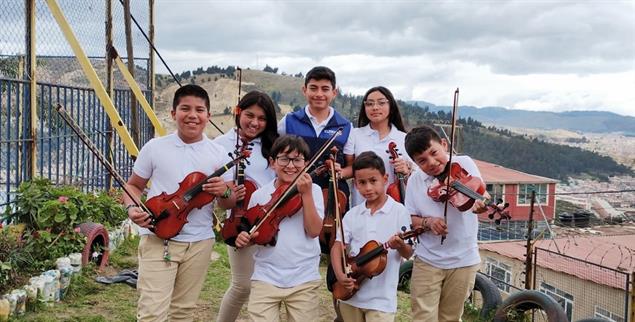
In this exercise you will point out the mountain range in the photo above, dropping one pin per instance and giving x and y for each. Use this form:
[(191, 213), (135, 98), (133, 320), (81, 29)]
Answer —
[(579, 121)]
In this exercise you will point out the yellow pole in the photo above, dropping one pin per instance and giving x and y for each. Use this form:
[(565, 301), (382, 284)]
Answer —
[(96, 84), (160, 131)]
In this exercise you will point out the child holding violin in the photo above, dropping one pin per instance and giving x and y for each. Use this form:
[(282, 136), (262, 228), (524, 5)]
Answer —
[(379, 125), (379, 218), (171, 272), (255, 130), (444, 272), (289, 271)]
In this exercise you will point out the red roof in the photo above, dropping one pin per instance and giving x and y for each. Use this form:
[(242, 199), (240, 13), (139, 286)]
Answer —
[(494, 173), (614, 252)]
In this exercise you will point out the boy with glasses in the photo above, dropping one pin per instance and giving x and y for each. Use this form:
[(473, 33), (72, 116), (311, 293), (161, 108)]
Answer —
[(289, 271)]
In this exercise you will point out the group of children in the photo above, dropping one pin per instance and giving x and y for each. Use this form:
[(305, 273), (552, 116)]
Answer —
[(171, 273)]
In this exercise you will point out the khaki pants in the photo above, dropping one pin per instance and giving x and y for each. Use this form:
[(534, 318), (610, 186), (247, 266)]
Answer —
[(302, 302), (354, 314), (170, 289), (241, 262), (439, 294)]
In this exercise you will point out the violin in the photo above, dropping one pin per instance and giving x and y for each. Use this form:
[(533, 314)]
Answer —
[(170, 210), (285, 202), (461, 190), (397, 189), (236, 222), (335, 205), (369, 262)]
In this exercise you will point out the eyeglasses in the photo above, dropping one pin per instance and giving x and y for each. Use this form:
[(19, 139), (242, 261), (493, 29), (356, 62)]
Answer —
[(380, 103), (284, 161)]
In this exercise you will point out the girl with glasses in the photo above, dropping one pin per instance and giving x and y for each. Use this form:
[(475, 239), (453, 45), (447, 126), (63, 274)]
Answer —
[(379, 124)]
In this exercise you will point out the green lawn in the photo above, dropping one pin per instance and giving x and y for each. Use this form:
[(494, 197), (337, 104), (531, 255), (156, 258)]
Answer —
[(90, 301)]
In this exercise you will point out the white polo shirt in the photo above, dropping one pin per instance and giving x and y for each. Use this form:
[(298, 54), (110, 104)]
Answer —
[(295, 259), (380, 292), (364, 139), (166, 161), (460, 248), (257, 169), (317, 126)]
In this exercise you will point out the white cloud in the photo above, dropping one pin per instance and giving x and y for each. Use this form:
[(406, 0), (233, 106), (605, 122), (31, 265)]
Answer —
[(535, 55)]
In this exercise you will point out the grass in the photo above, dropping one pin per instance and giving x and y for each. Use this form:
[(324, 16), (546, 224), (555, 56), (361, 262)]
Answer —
[(88, 300)]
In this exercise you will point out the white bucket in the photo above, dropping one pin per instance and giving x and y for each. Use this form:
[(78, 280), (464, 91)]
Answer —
[(76, 261), (50, 289), (20, 305), (63, 262)]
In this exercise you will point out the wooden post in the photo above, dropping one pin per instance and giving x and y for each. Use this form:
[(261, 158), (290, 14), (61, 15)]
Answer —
[(134, 115), (529, 254), (31, 62), (632, 295), (151, 80), (110, 141)]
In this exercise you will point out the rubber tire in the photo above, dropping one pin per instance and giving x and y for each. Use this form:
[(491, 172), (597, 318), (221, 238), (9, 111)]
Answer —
[(96, 236), (405, 273), (492, 298), (526, 300)]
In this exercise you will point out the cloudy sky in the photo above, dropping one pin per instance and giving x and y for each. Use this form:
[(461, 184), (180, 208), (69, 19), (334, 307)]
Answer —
[(536, 55)]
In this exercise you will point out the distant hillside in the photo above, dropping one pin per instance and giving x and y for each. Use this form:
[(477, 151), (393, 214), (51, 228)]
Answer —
[(582, 121), (481, 142)]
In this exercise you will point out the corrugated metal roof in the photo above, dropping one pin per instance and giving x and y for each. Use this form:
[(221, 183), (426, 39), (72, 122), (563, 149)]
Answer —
[(613, 252), (494, 173)]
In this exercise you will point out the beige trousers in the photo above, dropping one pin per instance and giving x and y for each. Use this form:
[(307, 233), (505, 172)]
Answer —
[(169, 290), (241, 262), (302, 302), (354, 314), (439, 294)]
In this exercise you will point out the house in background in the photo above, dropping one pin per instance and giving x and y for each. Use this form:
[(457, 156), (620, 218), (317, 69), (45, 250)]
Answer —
[(514, 187), (590, 276)]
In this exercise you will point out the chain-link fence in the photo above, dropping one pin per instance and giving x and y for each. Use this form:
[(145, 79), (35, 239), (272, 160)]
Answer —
[(59, 155)]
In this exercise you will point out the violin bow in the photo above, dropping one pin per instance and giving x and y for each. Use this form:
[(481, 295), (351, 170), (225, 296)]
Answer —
[(286, 193), (338, 217), (102, 159), (448, 167)]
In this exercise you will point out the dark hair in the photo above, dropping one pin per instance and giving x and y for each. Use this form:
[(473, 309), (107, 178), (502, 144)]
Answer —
[(270, 134), (369, 160), (319, 73), (289, 143), (190, 90), (394, 116), (418, 140)]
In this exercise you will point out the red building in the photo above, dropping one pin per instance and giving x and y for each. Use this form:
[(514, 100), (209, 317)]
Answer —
[(515, 188)]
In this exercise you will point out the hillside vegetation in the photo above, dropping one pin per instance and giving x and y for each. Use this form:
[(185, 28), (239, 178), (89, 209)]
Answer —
[(490, 144)]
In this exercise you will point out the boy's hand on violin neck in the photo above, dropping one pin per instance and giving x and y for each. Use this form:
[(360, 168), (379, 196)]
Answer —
[(437, 225), (240, 192), (395, 242), (401, 166), (140, 217), (215, 186), (304, 184), (479, 207), (243, 239)]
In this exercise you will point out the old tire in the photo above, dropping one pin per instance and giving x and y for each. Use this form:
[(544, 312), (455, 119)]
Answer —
[(405, 272), (489, 292), (96, 248), (520, 302)]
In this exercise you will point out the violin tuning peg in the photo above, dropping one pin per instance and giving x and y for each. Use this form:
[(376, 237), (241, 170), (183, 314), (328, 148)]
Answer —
[(499, 201), (506, 205), (497, 221), (403, 228), (490, 216)]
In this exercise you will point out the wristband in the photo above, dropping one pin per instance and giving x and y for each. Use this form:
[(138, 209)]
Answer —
[(130, 206), (227, 193)]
